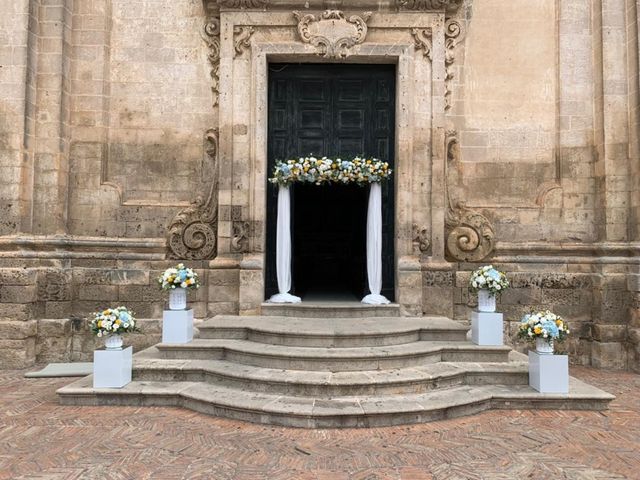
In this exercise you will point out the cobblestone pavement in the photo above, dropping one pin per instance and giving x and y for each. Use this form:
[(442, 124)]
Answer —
[(40, 439)]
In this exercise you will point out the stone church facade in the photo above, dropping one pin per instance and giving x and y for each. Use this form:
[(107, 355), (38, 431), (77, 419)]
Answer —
[(136, 132)]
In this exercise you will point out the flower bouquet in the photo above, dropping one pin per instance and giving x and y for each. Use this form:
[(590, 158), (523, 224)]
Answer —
[(178, 277), (488, 283), (361, 171), (111, 323), (544, 327), (178, 280)]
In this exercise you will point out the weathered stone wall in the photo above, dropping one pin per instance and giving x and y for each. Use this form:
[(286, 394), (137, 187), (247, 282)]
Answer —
[(14, 42), (45, 310), (595, 301), (140, 111), (526, 118)]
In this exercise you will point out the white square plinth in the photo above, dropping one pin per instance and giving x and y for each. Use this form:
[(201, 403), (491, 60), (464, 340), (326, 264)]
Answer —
[(486, 328), (112, 368), (177, 326), (549, 373)]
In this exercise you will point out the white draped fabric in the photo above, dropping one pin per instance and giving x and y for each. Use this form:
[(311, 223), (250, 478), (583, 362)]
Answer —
[(283, 249), (374, 247)]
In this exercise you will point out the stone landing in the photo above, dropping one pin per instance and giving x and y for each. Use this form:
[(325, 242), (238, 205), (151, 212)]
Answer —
[(341, 368)]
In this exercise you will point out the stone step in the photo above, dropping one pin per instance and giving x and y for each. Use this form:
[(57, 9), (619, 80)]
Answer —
[(333, 332), (147, 367), (329, 310), (349, 411), (333, 359)]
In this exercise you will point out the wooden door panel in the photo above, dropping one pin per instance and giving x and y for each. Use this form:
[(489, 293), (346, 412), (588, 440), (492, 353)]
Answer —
[(333, 110)]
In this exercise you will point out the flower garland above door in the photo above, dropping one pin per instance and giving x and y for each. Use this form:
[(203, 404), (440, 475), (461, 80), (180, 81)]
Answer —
[(361, 171)]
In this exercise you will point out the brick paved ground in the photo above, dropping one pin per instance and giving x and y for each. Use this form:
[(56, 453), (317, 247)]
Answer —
[(41, 440)]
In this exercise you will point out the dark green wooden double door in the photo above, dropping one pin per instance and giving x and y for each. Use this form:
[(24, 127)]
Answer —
[(337, 111)]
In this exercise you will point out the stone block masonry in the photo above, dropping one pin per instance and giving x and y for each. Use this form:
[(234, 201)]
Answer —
[(133, 133), (44, 311)]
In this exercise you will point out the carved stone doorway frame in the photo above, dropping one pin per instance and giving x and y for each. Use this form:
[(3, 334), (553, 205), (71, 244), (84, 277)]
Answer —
[(415, 42)]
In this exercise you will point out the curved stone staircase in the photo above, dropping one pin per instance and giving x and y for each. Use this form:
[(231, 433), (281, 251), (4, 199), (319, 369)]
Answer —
[(332, 366)]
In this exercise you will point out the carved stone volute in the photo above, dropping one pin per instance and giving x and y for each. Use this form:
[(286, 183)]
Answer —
[(470, 235), (193, 231)]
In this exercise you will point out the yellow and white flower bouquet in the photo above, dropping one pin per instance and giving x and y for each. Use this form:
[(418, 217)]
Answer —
[(179, 276), (113, 321), (543, 324)]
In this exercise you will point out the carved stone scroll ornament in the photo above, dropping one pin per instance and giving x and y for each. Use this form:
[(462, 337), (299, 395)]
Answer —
[(421, 238), (242, 39), (422, 37), (211, 35), (193, 231), (425, 5), (470, 235), (240, 239), (453, 36), (332, 33)]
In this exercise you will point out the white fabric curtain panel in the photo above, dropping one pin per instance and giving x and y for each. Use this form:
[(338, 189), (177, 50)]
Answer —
[(374, 247), (283, 248)]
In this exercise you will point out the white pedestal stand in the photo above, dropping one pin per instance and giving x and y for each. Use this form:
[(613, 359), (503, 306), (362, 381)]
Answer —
[(177, 326), (112, 368), (549, 373), (486, 328)]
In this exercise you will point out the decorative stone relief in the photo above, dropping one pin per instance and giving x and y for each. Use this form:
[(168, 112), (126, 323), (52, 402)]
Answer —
[(332, 33), (470, 235), (428, 4), (453, 36), (243, 3), (240, 239), (436, 278), (193, 231), (421, 238), (242, 39), (422, 37), (211, 35)]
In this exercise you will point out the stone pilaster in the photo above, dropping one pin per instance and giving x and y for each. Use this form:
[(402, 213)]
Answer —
[(14, 58), (50, 167), (613, 182), (611, 119)]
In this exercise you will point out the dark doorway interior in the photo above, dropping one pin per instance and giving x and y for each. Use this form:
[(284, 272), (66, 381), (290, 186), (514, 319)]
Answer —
[(329, 239), (336, 110)]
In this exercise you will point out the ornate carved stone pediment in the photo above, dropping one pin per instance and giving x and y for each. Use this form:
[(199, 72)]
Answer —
[(332, 33)]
